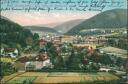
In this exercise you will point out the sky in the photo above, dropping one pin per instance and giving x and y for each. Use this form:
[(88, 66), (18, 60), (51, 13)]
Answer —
[(55, 11)]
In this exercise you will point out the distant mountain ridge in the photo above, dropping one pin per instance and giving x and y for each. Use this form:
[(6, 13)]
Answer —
[(50, 25), (66, 26), (2, 17), (42, 29), (116, 18)]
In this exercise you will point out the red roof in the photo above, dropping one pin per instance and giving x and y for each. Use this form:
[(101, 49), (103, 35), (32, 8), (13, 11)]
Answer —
[(9, 49), (42, 40), (42, 57)]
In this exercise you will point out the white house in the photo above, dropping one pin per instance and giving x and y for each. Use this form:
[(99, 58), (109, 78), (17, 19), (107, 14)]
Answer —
[(12, 52), (37, 65), (38, 62)]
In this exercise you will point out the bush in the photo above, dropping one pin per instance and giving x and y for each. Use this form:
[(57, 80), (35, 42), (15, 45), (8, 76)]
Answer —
[(6, 69), (27, 82)]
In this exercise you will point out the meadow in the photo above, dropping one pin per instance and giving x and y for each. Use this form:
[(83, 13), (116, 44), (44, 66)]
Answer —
[(7, 60), (60, 77)]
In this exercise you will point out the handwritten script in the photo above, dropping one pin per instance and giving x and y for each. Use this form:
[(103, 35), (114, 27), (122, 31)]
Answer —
[(58, 5)]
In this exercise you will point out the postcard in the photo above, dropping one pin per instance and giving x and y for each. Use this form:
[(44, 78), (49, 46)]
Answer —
[(63, 42)]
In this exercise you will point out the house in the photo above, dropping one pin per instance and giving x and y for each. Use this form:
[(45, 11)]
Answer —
[(38, 62), (57, 39), (95, 40), (57, 45), (12, 52), (33, 63), (102, 40), (91, 40), (87, 46), (104, 69), (67, 39)]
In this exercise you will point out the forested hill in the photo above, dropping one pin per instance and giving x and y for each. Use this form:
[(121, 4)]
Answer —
[(116, 18), (12, 34), (42, 29)]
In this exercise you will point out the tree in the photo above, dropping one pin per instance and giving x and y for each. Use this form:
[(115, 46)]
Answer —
[(58, 62), (6, 69), (122, 43), (94, 66), (74, 61), (18, 46), (96, 57), (36, 36), (120, 61), (112, 42), (52, 53), (29, 41), (4, 45), (66, 50), (12, 33), (106, 60), (12, 44)]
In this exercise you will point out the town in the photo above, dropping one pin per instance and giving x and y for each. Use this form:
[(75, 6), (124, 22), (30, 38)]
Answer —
[(68, 53)]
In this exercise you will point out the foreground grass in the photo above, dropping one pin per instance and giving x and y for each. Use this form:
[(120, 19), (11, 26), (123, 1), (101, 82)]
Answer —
[(63, 77), (22, 80)]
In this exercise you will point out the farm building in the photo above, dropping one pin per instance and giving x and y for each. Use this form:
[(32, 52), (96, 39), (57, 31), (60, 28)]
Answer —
[(33, 63)]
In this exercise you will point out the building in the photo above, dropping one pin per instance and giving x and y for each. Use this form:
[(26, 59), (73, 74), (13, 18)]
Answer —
[(87, 46), (38, 62), (67, 39), (102, 40), (12, 52), (33, 63), (56, 40), (91, 40), (95, 40)]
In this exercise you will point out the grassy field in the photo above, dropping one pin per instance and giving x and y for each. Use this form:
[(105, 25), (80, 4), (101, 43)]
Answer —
[(60, 77), (5, 59), (21, 80), (121, 52), (10, 77)]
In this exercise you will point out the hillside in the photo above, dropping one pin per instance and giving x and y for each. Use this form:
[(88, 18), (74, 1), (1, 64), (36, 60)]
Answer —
[(42, 29), (50, 25), (2, 17), (116, 18), (12, 34), (66, 26)]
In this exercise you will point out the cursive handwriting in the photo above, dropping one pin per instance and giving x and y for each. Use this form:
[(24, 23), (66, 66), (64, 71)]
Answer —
[(51, 5)]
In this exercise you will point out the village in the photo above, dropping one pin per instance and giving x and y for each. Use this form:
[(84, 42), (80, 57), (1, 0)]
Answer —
[(65, 53), (40, 59)]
